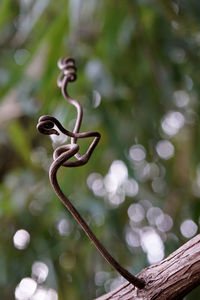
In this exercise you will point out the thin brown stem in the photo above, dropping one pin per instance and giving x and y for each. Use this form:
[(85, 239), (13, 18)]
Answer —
[(50, 125), (53, 179)]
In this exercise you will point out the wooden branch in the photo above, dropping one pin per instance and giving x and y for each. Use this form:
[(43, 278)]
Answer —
[(170, 279)]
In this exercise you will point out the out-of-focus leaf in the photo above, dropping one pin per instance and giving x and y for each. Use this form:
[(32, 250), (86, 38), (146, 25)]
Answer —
[(20, 140), (5, 12)]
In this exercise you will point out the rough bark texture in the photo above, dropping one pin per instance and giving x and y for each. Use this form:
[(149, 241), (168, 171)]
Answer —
[(172, 278)]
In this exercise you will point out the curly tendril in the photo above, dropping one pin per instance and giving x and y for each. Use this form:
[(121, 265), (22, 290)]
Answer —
[(50, 125)]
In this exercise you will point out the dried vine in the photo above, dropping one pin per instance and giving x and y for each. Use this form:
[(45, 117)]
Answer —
[(47, 125)]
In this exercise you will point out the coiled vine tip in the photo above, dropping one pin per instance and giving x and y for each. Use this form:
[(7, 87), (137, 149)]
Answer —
[(61, 157)]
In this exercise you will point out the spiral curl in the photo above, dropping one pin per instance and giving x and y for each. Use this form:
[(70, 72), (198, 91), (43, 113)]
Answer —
[(68, 74), (68, 70)]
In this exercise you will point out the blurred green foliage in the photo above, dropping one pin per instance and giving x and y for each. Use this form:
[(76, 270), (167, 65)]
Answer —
[(138, 81)]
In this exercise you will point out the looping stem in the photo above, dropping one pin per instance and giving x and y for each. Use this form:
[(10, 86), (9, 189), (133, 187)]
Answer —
[(47, 125)]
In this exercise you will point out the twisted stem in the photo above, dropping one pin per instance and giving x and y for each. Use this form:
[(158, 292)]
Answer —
[(47, 125)]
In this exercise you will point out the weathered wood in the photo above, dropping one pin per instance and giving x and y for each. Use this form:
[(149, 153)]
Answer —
[(172, 278)]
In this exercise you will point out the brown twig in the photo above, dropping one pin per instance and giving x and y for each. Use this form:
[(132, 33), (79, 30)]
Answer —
[(47, 125)]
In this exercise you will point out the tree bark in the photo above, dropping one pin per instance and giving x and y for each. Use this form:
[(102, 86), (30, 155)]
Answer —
[(170, 279)]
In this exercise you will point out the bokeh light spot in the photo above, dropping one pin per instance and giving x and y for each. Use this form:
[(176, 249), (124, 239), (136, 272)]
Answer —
[(165, 149), (188, 228), (153, 213), (136, 212), (67, 261), (96, 184), (172, 122), (131, 187), (20, 56), (21, 239), (181, 98), (40, 271), (137, 153), (64, 227), (164, 222), (133, 238), (101, 277), (96, 99), (25, 289), (152, 244)]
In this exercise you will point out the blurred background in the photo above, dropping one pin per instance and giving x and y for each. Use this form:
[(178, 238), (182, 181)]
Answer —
[(138, 81)]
